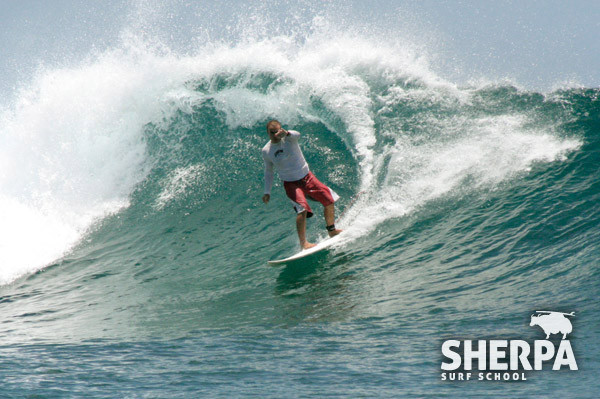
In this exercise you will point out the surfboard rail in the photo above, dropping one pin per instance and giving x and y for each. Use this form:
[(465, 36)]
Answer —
[(306, 252)]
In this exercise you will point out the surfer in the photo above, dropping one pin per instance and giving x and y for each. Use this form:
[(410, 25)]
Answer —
[(285, 154)]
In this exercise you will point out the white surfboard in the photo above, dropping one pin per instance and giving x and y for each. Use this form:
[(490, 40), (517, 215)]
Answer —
[(306, 252)]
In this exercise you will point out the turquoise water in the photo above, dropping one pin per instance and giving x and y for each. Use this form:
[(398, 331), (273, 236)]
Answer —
[(135, 241)]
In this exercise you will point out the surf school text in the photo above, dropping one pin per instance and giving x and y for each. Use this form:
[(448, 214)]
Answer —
[(481, 376)]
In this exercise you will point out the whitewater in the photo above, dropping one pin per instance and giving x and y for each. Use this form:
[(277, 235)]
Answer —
[(134, 242)]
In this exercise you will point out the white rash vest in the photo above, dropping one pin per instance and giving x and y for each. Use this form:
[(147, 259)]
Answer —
[(287, 158)]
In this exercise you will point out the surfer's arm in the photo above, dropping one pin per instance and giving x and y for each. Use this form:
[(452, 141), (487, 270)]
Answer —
[(268, 175)]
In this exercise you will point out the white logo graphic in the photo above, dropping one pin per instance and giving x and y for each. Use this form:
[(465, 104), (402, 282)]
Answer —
[(552, 322), (510, 359)]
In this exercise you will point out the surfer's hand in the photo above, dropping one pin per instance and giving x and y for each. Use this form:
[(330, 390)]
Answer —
[(266, 198), (281, 133)]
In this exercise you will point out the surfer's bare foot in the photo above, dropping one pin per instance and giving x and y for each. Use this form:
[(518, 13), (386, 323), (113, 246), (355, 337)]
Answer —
[(334, 232), (307, 245)]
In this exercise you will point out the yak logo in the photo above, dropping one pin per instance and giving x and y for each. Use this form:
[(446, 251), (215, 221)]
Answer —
[(553, 322)]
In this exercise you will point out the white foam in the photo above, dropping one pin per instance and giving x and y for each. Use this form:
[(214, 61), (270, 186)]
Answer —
[(177, 183), (72, 151), (485, 152)]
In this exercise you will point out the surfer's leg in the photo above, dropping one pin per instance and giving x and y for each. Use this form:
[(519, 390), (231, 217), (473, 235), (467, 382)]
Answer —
[(296, 195), (329, 212), (326, 196), (301, 227)]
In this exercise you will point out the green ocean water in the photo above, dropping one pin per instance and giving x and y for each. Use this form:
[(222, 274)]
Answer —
[(466, 208)]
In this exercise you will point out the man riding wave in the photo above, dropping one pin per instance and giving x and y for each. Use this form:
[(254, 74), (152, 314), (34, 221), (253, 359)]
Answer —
[(283, 152)]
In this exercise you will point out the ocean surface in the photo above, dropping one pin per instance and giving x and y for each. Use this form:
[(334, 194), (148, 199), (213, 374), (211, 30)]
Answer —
[(133, 239)]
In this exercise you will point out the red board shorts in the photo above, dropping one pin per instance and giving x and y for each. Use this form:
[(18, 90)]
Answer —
[(308, 187)]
